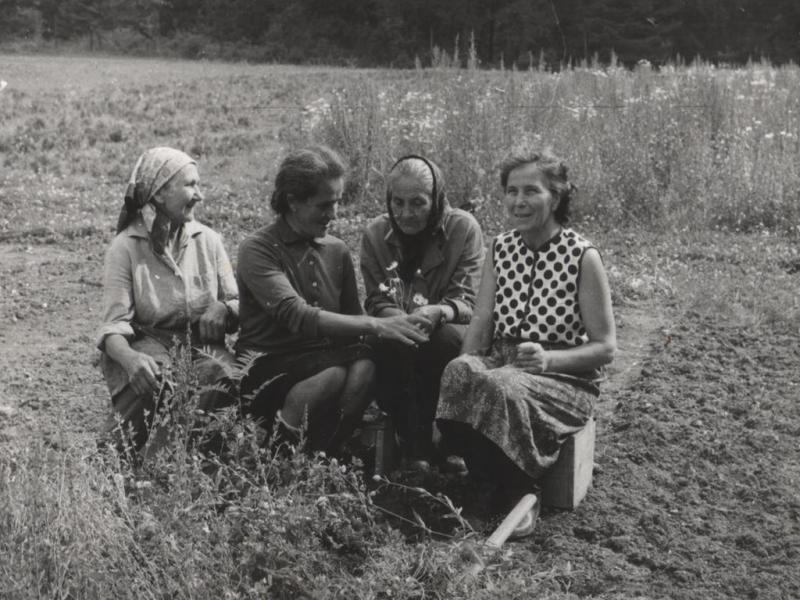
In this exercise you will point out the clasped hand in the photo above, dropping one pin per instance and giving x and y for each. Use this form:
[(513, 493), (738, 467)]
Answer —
[(531, 357), (432, 313), (406, 329)]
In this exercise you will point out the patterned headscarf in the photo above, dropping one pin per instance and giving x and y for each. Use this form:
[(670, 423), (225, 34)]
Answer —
[(152, 172)]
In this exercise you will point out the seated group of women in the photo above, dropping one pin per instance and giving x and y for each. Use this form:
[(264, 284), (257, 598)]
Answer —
[(507, 370)]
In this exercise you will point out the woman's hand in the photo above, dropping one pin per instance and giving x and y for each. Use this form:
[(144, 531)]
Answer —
[(406, 329), (143, 372), (432, 313), (212, 323), (531, 357)]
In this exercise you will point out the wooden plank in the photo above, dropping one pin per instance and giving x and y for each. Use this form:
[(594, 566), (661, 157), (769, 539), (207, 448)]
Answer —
[(568, 481)]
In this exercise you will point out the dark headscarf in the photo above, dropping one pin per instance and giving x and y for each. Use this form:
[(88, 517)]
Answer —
[(152, 172), (413, 246)]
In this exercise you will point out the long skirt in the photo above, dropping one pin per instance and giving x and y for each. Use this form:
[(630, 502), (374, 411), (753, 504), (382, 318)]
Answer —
[(526, 418), (135, 412), (408, 385)]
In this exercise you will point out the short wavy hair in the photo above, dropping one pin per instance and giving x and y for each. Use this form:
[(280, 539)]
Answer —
[(554, 171), (302, 172)]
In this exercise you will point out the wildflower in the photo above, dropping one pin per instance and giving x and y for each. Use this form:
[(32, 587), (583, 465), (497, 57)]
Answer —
[(392, 266), (419, 299), (383, 287)]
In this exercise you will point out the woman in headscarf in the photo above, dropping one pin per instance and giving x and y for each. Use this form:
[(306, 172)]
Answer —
[(301, 313), (421, 257), (165, 275)]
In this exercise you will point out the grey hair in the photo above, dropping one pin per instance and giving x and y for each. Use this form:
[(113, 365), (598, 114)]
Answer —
[(419, 170)]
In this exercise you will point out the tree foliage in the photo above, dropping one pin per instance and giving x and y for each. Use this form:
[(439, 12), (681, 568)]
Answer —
[(395, 32)]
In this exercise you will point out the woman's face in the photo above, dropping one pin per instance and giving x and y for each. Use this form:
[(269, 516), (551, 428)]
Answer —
[(311, 217), (529, 201), (180, 195), (410, 203)]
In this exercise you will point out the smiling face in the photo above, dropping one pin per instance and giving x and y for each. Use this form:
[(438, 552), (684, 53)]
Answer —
[(410, 203), (179, 197), (529, 201), (310, 218)]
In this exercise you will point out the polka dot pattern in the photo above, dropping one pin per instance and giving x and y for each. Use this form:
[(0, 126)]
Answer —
[(537, 291)]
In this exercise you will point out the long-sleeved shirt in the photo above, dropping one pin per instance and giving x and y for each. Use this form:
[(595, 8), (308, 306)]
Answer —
[(285, 280), (164, 292), (450, 268)]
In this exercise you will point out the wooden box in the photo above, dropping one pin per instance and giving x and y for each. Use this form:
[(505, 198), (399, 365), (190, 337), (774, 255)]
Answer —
[(566, 483)]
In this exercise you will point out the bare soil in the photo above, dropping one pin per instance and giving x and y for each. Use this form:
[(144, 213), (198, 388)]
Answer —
[(695, 492)]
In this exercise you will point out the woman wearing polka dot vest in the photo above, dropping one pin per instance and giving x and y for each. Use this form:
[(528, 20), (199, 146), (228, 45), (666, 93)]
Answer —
[(541, 331)]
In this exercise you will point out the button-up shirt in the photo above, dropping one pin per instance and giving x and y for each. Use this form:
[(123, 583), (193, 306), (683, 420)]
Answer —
[(285, 280), (168, 291), (449, 272)]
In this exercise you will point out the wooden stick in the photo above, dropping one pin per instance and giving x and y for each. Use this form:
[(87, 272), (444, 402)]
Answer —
[(506, 528), (503, 531)]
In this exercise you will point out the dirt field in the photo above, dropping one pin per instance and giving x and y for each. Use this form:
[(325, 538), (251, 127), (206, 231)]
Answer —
[(696, 492), (696, 485)]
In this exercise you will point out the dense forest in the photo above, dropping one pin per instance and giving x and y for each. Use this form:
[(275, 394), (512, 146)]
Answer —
[(398, 32)]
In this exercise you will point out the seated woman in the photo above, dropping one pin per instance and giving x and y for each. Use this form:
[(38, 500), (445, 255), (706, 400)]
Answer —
[(543, 327), (164, 273), (300, 310), (421, 257)]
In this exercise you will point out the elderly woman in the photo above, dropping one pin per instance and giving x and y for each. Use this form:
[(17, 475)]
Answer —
[(165, 273), (421, 257), (301, 313), (543, 327)]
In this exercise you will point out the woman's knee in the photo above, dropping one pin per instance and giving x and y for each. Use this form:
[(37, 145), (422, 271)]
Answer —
[(361, 375)]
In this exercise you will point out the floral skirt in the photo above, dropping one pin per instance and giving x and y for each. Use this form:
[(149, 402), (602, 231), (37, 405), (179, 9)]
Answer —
[(528, 417)]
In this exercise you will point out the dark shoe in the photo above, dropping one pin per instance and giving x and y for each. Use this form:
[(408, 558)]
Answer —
[(453, 465), (419, 466)]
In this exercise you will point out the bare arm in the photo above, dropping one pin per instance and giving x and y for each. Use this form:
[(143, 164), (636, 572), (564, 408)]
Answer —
[(406, 329), (481, 329), (594, 299)]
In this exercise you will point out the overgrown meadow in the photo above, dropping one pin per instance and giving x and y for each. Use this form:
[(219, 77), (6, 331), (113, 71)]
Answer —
[(689, 183)]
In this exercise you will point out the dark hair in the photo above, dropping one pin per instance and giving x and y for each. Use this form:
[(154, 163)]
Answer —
[(301, 174), (554, 171)]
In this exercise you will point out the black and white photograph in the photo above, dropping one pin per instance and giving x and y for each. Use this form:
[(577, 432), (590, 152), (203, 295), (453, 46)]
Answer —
[(399, 299)]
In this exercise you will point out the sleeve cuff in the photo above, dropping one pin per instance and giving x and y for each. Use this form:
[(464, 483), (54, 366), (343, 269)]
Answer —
[(122, 328)]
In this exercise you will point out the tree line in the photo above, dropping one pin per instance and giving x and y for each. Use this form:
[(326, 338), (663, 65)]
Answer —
[(398, 32)]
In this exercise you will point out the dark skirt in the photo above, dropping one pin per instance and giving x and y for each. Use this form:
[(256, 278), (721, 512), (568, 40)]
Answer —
[(408, 385), (270, 376), (527, 417)]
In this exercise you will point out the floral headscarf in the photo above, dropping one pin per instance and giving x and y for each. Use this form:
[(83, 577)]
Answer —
[(152, 172)]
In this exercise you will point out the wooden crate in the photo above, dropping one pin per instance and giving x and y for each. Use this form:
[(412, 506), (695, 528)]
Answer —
[(566, 483)]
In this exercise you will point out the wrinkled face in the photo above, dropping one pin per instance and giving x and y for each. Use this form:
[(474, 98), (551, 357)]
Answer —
[(410, 203), (180, 195), (529, 201), (311, 217)]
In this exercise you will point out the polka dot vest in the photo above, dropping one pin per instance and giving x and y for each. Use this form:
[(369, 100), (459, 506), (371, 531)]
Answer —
[(537, 291)]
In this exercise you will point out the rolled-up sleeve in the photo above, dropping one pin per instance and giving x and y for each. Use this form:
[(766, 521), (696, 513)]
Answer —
[(461, 289), (373, 274), (261, 270), (118, 306)]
